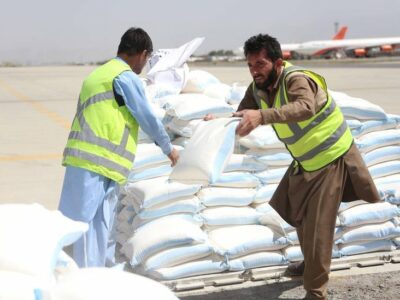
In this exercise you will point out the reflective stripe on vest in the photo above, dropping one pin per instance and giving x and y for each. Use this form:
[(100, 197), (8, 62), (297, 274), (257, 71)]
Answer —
[(87, 135), (311, 154)]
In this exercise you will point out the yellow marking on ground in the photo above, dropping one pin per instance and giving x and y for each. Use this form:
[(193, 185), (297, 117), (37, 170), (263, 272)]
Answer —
[(55, 117), (18, 157)]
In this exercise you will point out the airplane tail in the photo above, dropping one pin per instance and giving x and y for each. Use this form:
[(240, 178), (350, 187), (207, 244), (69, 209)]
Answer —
[(340, 34)]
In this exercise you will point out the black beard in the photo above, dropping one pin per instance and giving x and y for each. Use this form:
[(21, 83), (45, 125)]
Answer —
[(269, 81)]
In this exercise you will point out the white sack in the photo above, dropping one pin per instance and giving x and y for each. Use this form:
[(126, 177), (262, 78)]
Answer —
[(106, 284), (245, 239), (216, 196), (199, 267), (368, 214), (357, 108), (32, 237), (198, 108), (207, 152), (262, 137), (237, 180), (257, 260), (385, 169), (265, 193), (381, 155), (161, 234), (378, 139), (383, 231), (198, 81), (374, 246), (144, 195), (243, 162), (177, 256), (228, 215)]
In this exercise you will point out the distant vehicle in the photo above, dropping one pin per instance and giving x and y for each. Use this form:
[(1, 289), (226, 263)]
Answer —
[(338, 48), (290, 51)]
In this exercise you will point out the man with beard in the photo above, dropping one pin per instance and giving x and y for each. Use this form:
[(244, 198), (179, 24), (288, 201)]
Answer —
[(327, 167)]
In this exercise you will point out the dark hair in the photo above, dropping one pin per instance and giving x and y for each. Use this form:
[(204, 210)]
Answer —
[(135, 40), (263, 41)]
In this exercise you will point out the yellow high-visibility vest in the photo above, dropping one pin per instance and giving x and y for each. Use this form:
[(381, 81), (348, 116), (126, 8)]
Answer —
[(103, 134), (317, 141)]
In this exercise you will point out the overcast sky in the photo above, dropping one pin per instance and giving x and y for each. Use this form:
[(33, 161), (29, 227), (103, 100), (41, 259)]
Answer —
[(51, 31)]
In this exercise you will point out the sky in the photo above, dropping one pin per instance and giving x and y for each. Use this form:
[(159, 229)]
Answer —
[(37, 32)]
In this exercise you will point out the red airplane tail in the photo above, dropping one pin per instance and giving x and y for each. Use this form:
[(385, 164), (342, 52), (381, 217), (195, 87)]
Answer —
[(340, 34)]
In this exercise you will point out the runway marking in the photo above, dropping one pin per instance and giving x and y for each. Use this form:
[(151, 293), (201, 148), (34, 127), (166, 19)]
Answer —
[(55, 117), (18, 157)]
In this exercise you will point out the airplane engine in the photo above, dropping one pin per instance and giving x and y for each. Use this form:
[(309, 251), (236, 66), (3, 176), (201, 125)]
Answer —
[(360, 52)]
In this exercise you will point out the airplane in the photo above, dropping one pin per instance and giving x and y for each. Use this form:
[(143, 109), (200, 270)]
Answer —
[(350, 47), (290, 50)]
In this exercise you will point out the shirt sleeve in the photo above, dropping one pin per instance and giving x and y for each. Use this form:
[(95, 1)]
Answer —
[(248, 101), (301, 92), (129, 86)]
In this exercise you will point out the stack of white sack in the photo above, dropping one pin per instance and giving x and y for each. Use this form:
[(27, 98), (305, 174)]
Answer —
[(229, 188), (377, 135), (235, 185), (362, 227)]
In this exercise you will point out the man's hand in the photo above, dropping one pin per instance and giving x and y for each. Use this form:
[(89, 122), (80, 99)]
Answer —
[(209, 117), (250, 119), (173, 157)]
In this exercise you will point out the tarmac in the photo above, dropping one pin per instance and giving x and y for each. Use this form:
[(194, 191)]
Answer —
[(38, 105)]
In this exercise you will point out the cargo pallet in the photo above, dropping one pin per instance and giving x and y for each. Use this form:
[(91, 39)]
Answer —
[(348, 265)]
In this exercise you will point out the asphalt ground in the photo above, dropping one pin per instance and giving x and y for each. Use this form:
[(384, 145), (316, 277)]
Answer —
[(37, 105)]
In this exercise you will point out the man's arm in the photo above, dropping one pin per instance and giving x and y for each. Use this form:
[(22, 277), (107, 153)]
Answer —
[(129, 86), (302, 105), (301, 92)]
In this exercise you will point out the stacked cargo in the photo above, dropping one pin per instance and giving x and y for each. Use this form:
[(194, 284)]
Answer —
[(212, 214)]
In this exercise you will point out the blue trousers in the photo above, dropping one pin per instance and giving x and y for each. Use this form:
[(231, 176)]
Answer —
[(91, 198)]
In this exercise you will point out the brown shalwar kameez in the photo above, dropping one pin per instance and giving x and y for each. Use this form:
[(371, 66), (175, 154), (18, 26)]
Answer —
[(310, 200)]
